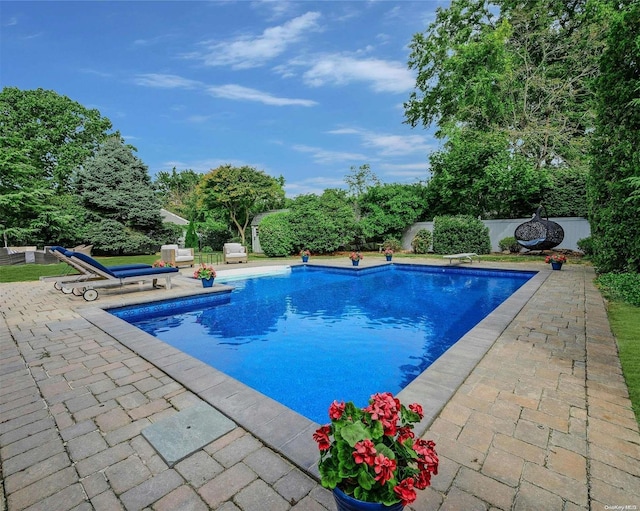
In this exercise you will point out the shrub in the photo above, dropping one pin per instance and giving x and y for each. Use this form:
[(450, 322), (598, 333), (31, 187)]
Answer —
[(421, 242), (276, 235), (392, 243), (191, 238), (457, 234), (110, 237), (509, 243), (624, 287), (586, 245)]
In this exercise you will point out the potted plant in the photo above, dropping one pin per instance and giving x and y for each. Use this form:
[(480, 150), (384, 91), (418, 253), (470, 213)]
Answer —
[(556, 260), (163, 264), (388, 253), (206, 274), (355, 258), (371, 455), (305, 253)]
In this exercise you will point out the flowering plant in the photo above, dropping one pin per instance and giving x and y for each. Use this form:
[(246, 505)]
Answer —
[(305, 252), (388, 252), (371, 453), (204, 272), (555, 258), (163, 264), (355, 256)]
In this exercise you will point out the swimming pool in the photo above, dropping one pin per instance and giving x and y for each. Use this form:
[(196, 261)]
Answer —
[(320, 334)]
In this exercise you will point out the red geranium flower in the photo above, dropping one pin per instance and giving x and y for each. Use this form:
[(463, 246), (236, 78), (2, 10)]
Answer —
[(373, 452), (424, 480), (322, 437), (415, 407), (365, 452), (404, 433), (405, 491), (384, 468), (336, 410)]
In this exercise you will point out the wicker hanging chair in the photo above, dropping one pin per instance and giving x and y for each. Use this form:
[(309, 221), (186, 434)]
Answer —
[(539, 234)]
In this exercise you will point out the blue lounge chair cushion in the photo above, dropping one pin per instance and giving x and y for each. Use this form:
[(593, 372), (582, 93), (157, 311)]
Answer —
[(112, 270), (141, 272)]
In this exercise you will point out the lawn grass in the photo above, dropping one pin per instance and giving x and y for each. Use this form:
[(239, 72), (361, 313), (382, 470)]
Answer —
[(625, 324), (29, 272)]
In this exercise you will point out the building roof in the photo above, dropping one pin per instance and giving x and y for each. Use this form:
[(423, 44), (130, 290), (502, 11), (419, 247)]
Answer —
[(168, 216)]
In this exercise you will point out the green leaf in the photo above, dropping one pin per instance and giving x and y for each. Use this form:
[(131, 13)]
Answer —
[(365, 479), (354, 433)]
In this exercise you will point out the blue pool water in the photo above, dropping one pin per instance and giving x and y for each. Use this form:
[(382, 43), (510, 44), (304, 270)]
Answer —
[(316, 335)]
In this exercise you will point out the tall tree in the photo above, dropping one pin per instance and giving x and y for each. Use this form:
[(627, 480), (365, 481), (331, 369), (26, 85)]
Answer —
[(387, 210), (242, 191), (360, 179), (177, 191), (514, 71), (616, 158), (53, 132), (43, 138), (520, 68), (115, 185), (322, 223)]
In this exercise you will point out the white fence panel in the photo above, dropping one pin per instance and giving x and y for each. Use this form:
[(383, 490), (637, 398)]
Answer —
[(575, 228)]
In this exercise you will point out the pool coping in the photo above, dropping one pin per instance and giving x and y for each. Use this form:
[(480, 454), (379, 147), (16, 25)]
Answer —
[(276, 425)]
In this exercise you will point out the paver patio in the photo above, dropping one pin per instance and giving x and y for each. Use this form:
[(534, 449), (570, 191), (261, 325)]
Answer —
[(542, 422)]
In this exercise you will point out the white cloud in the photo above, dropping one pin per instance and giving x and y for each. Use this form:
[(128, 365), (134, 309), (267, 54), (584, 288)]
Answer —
[(315, 185), (323, 156), (11, 21), (240, 93), (382, 75), (388, 145), (95, 72), (254, 51), (164, 81)]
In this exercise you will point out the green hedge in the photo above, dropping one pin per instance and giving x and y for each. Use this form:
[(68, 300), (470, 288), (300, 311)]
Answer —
[(276, 236), (421, 242), (458, 234)]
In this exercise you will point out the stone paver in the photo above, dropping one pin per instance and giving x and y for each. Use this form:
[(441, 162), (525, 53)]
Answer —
[(542, 422)]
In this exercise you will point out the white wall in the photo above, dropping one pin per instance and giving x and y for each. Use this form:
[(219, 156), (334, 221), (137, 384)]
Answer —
[(575, 228)]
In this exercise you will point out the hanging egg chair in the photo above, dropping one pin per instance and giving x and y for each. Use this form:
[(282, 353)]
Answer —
[(539, 234)]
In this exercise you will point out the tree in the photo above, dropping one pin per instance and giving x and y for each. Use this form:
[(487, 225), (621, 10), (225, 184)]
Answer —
[(43, 138), (324, 223), (476, 174), (360, 179), (191, 238), (177, 191), (53, 133), (242, 191), (115, 185), (524, 72), (615, 228), (386, 210), (507, 70)]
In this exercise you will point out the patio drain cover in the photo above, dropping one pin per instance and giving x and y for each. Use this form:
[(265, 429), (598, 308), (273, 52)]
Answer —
[(178, 436)]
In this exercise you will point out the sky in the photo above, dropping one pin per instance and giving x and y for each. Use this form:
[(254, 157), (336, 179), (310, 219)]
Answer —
[(306, 90)]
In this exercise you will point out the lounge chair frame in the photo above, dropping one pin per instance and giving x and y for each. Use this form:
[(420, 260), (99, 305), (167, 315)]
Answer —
[(466, 256), (94, 275)]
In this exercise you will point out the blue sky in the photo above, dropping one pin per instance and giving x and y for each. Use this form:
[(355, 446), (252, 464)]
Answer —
[(301, 89)]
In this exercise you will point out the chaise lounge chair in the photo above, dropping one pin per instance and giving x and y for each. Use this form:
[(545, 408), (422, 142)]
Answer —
[(93, 275), (64, 255)]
